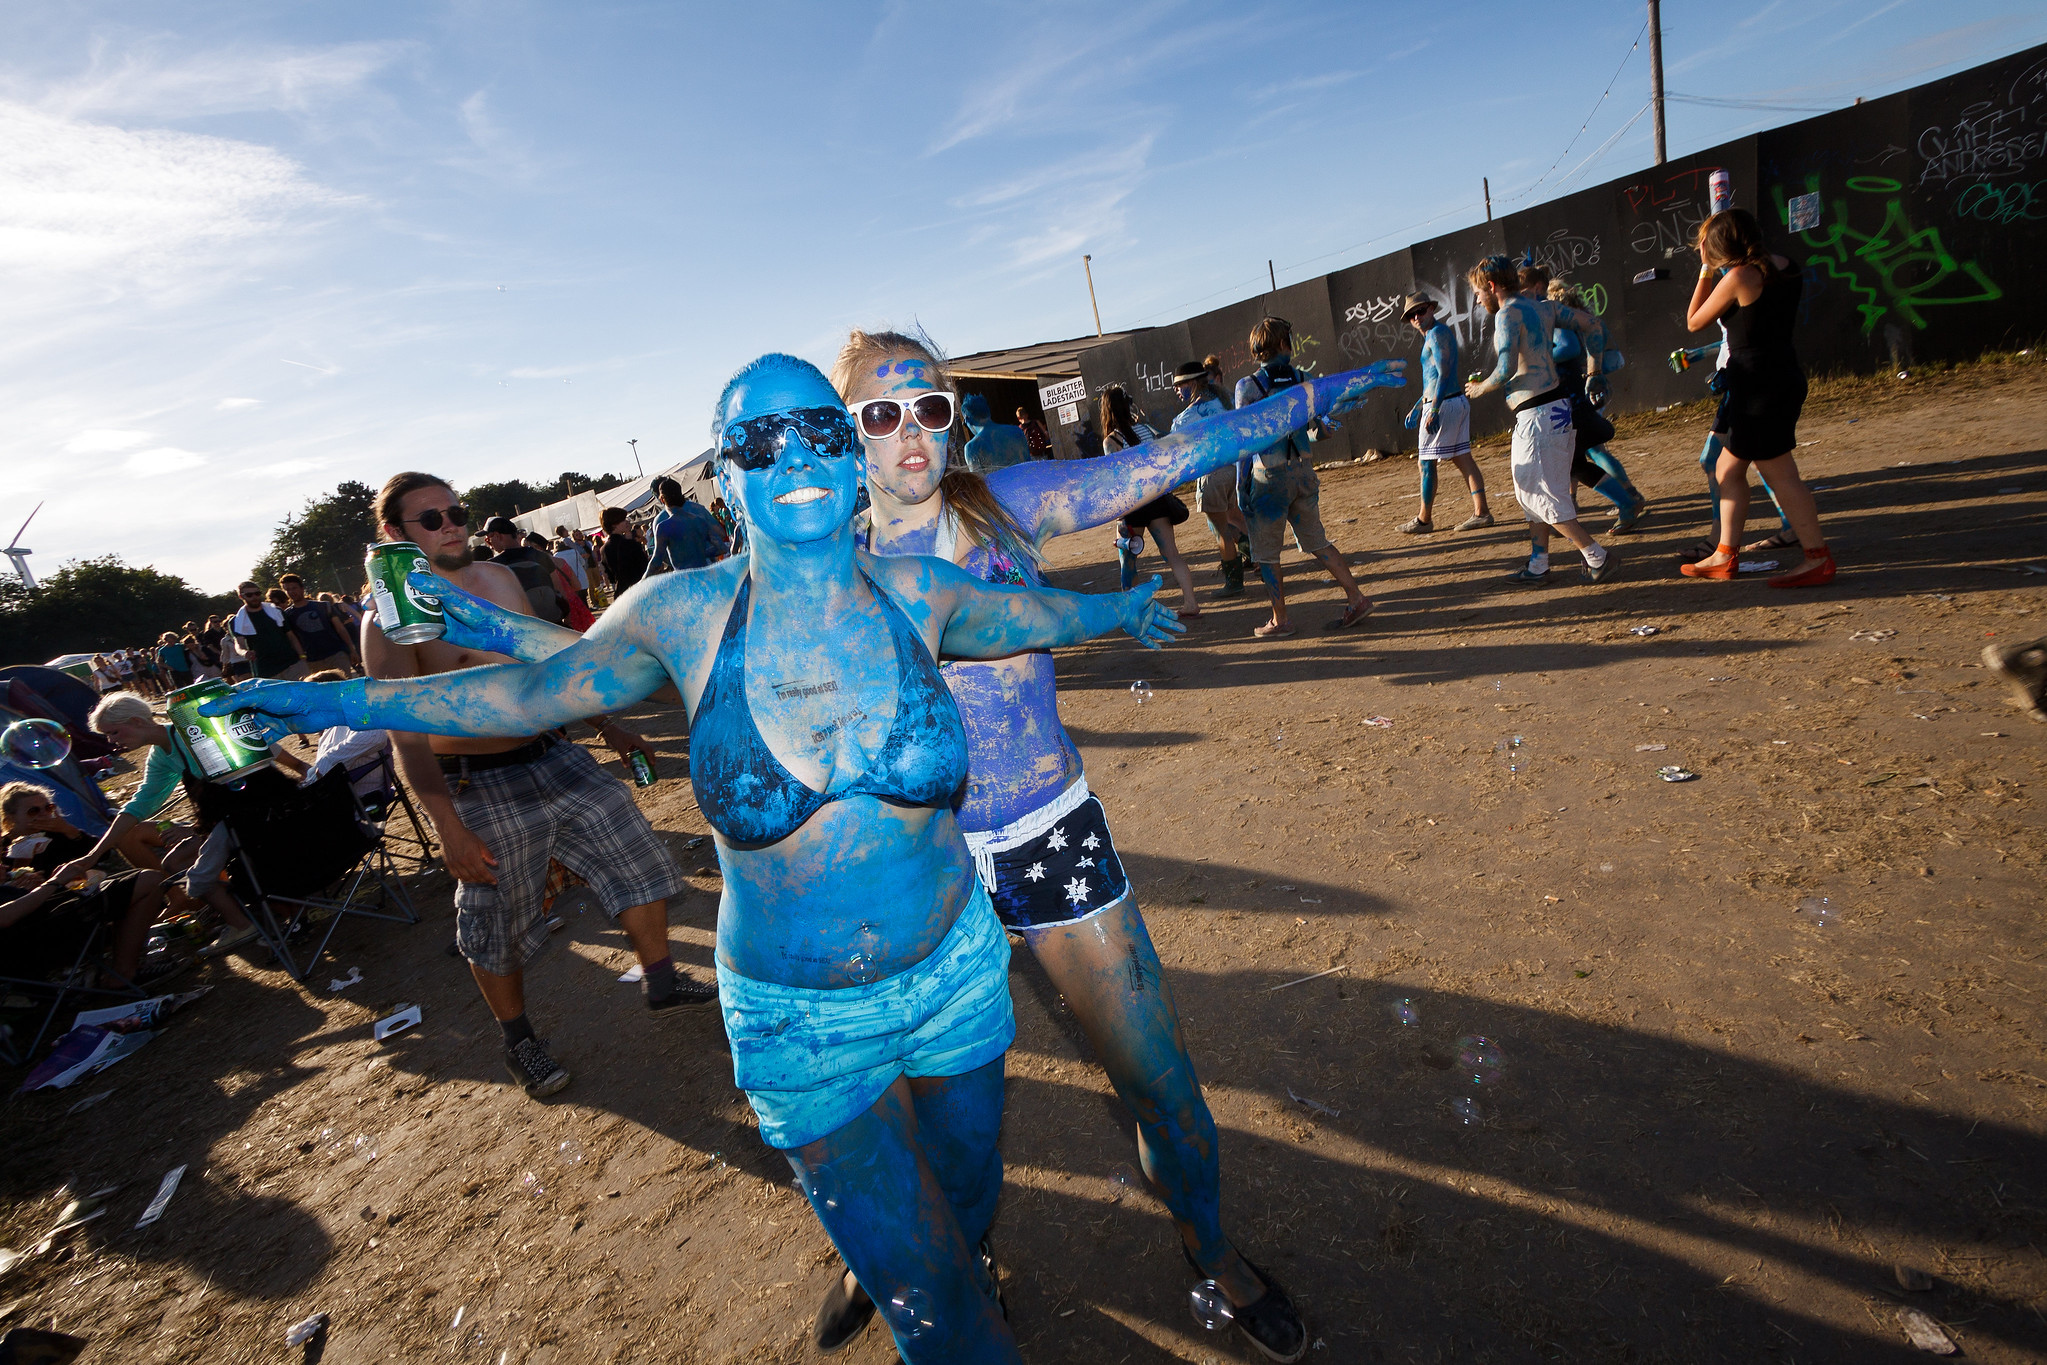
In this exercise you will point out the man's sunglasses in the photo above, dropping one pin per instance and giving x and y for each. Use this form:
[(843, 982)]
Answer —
[(882, 418), (430, 520), (757, 442)]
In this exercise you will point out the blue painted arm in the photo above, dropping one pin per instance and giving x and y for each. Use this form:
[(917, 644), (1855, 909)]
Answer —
[(994, 620), (1055, 497), (1591, 332), (473, 623), (610, 667), (1506, 336)]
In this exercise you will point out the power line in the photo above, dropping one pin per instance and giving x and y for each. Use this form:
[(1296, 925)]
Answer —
[(1603, 148), (1720, 103), (1588, 118)]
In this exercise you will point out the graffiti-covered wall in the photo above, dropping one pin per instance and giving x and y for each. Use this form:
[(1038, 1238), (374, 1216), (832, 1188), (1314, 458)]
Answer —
[(1909, 215)]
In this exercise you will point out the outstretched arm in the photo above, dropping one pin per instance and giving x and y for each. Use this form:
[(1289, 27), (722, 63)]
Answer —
[(1506, 344), (474, 623), (1054, 498), (612, 666), (980, 620)]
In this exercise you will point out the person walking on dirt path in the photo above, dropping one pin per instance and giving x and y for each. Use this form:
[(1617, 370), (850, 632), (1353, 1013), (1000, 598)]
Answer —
[(1757, 292), (1592, 464), (863, 974), (1783, 537), (1201, 400), (259, 626), (1542, 441), (1121, 431), (1277, 488), (1443, 416), (502, 807), (321, 627)]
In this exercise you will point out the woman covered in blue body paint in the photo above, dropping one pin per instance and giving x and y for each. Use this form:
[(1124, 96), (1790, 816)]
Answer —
[(1040, 841), (861, 971)]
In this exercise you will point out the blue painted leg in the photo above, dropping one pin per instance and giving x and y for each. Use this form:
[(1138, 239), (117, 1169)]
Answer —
[(876, 1188)]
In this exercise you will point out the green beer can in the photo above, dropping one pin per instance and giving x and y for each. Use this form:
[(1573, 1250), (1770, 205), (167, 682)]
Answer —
[(406, 617), (643, 769), (229, 747)]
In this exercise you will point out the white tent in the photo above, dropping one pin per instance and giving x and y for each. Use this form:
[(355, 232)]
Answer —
[(585, 511)]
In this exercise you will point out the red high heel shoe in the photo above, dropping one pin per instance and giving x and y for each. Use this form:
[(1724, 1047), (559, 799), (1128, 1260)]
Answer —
[(1719, 571), (1819, 568)]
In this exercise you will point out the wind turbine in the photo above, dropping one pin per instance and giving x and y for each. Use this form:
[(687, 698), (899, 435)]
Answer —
[(19, 554)]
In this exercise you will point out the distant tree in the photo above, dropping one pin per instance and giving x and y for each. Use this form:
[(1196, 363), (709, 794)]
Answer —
[(91, 605), (324, 543), (513, 496)]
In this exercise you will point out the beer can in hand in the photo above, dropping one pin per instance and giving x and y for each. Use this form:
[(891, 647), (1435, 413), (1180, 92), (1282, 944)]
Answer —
[(1722, 187), (228, 747), (406, 617), (642, 766)]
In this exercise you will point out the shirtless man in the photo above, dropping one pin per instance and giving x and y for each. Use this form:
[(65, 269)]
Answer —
[(1443, 415), (1543, 437), (504, 807)]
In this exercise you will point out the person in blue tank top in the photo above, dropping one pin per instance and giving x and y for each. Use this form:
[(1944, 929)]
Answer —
[(861, 971)]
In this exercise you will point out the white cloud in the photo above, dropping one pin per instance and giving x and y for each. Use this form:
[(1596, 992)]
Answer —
[(149, 464), (231, 404), (105, 440), (288, 468), (230, 80), (118, 207)]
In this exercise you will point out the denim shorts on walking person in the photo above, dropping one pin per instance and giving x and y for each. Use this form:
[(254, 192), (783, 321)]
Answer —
[(811, 1061)]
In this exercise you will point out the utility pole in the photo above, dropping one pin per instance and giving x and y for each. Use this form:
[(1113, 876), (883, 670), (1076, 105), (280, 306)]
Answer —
[(1270, 276), (1487, 181), (636, 457), (1656, 74), (1085, 264)]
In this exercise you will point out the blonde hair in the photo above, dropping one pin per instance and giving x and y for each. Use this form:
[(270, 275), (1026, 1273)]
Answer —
[(981, 514), (118, 708), (12, 795), (1570, 295)]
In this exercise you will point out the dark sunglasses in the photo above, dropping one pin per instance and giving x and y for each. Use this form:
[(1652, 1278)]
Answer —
[(431, 519), (756, 442), (881, 418)]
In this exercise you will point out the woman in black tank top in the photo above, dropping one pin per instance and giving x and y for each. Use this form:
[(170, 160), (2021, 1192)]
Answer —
[(1757, 295)]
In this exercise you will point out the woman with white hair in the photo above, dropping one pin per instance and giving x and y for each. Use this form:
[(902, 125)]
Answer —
[(126, 719)]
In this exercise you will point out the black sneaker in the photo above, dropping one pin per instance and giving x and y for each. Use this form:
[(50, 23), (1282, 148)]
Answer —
[(991, 1274), (688, 997), (843, 1316), (532, 1068), (1527, 577), (1273, 1323), (1605, 569), (2024, 666)]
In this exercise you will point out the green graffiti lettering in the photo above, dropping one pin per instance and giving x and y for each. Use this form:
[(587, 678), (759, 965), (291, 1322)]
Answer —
[(1898, 269)]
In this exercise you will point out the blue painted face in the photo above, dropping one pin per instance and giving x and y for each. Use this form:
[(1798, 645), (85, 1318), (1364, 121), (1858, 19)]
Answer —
[(908, 465), (803, 496)]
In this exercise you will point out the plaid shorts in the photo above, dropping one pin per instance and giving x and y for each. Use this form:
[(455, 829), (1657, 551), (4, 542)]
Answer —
[(560, 806)]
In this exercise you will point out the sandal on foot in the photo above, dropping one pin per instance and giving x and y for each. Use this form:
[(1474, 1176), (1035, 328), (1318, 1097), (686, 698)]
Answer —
[(842, 1317), (1272, 631), (1817, 569), (1351, 616), (1417, 527), (1475, 523), (1697, 550), (1782, 540), (1626, 521)]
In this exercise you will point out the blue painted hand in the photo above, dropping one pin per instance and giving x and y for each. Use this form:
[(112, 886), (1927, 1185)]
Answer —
[(1356, 385), (1150, 624), (472, 623), (291, 708)]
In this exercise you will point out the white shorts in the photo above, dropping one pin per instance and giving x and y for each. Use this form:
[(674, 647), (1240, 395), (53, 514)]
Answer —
[(1451, 435), (1543, 445)]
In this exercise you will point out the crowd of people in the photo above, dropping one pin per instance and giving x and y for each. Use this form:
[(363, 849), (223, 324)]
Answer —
[(874, 736)]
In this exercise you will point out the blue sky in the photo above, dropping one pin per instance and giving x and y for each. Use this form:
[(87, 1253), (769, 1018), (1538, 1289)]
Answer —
[(250, 251)]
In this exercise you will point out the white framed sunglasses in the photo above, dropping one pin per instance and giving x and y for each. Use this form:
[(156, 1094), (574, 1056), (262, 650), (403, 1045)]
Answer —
[(881, 418)]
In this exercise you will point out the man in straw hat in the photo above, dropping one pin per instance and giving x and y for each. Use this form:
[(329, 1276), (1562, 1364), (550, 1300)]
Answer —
[(1444, 415)]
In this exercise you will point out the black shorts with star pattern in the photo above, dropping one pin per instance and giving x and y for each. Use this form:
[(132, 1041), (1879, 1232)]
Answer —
[(1064, 875)]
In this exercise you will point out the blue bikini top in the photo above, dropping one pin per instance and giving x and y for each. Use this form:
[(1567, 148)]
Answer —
[(751, 799)]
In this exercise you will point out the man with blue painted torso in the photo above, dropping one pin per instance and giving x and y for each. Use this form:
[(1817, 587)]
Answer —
[(993, 445), (1277, 488), (1543, 438), (1443, 416), (686, 536)]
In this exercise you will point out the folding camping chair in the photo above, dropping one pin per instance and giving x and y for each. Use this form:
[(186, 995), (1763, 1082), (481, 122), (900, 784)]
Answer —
[(383, 805), (59, 982), (298, 855)]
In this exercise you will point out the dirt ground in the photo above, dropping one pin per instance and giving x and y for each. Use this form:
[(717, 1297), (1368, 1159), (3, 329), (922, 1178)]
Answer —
[(1713, 1126)]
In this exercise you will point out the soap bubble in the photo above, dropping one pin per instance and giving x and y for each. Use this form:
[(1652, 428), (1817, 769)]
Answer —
[(820, 1187), (570, 1152), (1479, 1058), (530, 1185), (1509, 750), (1818, 909), (910, 1313), (1210, 1306), (366, 1147), (1141, 690), (36, 742), (1468, 1111), (1405, 1012)]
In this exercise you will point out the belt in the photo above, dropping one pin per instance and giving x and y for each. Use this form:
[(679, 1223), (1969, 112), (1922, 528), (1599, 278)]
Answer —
[(461, 765), (1556, 394)]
